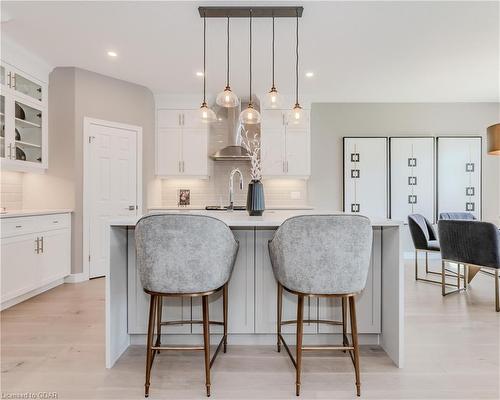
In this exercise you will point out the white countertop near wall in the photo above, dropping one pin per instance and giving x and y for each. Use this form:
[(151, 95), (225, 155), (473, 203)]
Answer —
[(235, 219), (202, 208), (29, 213)]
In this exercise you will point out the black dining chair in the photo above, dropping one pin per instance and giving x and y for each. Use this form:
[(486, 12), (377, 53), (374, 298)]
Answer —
[(472, 243), (425, 240)]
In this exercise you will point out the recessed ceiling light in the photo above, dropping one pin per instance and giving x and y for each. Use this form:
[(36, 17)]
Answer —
[(309, 74), (199, 73), (112, 54)]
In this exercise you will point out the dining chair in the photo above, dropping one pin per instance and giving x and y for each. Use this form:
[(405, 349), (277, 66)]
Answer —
[(472, 243), (457, 215), (321, 256), (181, 255)]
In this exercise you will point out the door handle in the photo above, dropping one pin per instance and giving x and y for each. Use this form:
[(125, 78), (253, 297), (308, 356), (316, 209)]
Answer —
[(13, 81), (37, 249), (10, 151), (9, 79), (183, 166), (41, 244)]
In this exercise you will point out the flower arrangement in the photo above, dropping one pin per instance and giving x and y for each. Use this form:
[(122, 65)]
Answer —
[(252, 145)]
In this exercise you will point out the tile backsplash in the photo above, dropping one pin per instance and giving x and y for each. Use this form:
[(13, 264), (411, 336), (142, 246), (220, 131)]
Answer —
[(11, 190), (215, 190)]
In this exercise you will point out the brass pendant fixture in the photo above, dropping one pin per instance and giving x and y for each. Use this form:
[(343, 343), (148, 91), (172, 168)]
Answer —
[(297, 111), (227, 98), (494, 140), (273, 97), (250, 115), (207, 115)]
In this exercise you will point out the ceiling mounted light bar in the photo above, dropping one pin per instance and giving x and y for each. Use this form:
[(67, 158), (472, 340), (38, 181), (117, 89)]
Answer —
[(244, 12)]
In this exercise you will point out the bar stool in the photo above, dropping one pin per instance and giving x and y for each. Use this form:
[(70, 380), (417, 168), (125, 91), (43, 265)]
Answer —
[(322, 256), (183, 255)]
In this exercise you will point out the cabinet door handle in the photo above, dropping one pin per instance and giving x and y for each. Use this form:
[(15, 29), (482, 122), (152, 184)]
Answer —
[(10, 151), (182, 166), (9, 79), (37, 249), (13, 81), (183, 119), (41, 244), (179, 166), (287, 166), (179, 119)]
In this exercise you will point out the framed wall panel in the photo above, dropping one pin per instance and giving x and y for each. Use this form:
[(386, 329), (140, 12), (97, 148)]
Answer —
[(365, 176), (412, 177), (459, 165)]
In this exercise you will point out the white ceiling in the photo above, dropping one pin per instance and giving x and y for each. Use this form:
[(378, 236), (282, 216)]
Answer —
[(359, 51)]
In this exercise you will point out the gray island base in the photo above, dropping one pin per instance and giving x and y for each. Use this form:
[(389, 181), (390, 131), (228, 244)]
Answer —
[(252, 293)]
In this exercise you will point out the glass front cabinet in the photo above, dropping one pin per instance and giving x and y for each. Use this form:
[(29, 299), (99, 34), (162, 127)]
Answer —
[(23, 119)]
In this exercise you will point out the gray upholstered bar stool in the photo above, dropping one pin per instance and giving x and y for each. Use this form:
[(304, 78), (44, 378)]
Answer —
[(471, 243), (322, 256), (183, 255), (457, 215)]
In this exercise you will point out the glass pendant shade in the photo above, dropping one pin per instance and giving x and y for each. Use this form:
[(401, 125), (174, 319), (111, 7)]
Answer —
[(227, 98), (207, 115), (297, 115), (250, 116), (273, 99)]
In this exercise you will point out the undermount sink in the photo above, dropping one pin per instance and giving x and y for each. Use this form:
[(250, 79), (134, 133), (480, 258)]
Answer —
[(225, 208)]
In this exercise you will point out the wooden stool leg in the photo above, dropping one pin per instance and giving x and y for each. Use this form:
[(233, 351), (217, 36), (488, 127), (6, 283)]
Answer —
[(426, 263), (344, 322), (149, 352), (300, 325), (206, 342), (159, 308), (279, 312), (416, 265), (354, 332), (224, 301)]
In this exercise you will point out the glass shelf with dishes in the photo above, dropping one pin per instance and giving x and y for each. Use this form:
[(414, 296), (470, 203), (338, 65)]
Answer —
[(23, 120)]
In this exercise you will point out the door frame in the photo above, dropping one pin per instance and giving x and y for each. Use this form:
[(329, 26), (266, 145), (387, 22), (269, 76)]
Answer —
[(87, 123)]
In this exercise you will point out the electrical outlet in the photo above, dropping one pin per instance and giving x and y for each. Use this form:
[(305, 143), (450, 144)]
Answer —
[(295, 195)]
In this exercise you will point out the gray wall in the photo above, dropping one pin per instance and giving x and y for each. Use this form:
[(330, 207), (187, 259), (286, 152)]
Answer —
[(77, 94), (331, 121)]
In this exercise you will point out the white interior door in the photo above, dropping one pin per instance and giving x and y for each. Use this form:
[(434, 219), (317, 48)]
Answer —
[(112, 185)]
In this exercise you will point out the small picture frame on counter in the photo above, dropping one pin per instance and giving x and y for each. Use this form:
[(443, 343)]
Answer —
[(184, 198)]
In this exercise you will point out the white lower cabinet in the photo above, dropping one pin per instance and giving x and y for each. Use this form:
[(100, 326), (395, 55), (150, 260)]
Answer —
[(36, 255)]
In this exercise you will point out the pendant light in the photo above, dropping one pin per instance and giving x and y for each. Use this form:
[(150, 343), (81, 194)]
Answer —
[(207, 115), (273, 97), (250, 115), (227, 98), (297, 111)]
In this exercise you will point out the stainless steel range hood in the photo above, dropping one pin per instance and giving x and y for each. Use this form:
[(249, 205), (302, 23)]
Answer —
[(233, 151)]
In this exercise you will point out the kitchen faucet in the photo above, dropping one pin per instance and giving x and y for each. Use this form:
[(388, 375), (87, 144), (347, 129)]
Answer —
[(231, 187)]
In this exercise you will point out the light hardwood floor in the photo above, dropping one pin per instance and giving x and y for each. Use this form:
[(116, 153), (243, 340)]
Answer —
[(55, 343)]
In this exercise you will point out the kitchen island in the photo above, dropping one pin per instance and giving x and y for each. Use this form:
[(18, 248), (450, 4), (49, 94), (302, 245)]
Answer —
[(252, 292)]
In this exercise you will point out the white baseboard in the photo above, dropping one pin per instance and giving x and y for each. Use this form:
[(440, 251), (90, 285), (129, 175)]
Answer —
[(76, 278), (19, 299)]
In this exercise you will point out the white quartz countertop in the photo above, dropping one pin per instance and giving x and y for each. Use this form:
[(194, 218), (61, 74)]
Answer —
[(29, 213), (239, 219), (202, 208)]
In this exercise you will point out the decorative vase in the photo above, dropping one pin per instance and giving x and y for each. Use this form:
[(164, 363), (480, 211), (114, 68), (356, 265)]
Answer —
[(255, 198)]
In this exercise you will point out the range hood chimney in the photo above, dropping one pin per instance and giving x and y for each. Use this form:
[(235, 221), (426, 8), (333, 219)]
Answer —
[(234, 151)]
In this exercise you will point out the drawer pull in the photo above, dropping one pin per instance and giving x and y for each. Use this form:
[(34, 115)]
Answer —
[(19, 226), (55, 222)]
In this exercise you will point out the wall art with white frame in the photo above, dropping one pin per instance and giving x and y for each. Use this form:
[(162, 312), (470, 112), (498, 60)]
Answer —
[(459, 174), (412, 177), (365, 176)]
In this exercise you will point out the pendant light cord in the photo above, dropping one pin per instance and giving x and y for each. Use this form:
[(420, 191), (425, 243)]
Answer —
[(273, 52), (297, 61), (227, 79), (250, 56), (204, 58)]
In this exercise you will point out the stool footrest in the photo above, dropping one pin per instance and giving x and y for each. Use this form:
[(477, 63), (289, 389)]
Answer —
[(189, 322), (173, 348), (312, 321)]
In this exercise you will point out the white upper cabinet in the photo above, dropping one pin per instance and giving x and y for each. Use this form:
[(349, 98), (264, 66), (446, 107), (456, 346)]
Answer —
[(412, 177), (285, 147), (181, 144), (459, 174), (23, 120), (365, 176)]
